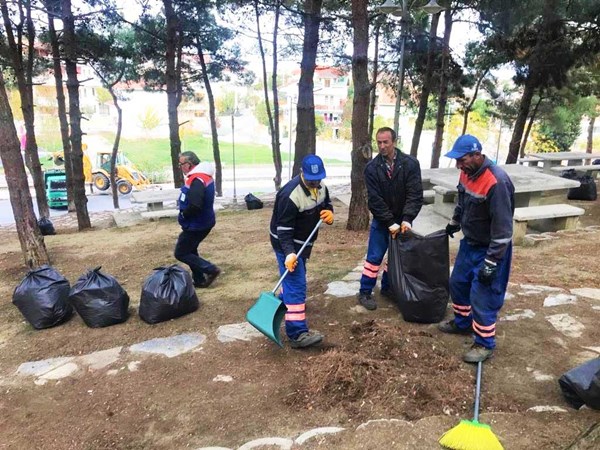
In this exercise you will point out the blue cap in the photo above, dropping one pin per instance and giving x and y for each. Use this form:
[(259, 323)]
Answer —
[(464, 145), (313, 168)]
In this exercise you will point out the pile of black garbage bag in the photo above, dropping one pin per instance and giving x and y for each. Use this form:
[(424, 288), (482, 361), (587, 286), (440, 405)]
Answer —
[(46, 299), (586, 191)]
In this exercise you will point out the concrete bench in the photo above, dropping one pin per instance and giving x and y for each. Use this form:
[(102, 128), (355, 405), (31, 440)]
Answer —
[(529, 161), (428, 196), (580, 170), (155, 199), (544, 218), (444, 201), (160, 214)]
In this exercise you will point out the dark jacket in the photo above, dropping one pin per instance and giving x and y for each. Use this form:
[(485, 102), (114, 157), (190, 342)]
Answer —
[(396, 199), (295, 214), (196, 202), (486, 203)]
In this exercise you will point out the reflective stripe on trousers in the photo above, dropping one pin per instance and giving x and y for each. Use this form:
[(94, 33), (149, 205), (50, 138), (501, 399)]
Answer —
[(378, 244), (476, 305), (293, 294)]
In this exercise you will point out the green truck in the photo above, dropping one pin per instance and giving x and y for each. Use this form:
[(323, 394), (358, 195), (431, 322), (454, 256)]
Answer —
[(55, 181)]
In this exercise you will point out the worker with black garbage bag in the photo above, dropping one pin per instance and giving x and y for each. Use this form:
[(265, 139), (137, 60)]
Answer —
[(395, 197)]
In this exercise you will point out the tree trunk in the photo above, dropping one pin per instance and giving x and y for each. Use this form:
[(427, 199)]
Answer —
[(30, 238), (400, 89), (274, 148), (589, 148), (529, 126), (472, 102), (23, 70), (358, 214), (115, 149), (517, 135), (424, 98), (62, 108), (373, 99), (276, 138), (443, 99), (173, 81), (213, 122), (306, 130), (70, 49)]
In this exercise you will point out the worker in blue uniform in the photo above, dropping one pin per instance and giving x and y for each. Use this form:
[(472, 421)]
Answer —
[(484, 213), (299, 205), (196, 217)]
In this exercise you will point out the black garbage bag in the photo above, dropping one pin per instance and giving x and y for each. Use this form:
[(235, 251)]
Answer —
[(43, 298), (569, 174), (581, 385), (99, 299), (167, 294), (253, 202), (418, 269), (46, 227), (586, 191)]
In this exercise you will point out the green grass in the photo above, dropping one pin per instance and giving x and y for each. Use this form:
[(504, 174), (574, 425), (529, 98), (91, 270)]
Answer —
[(153, 155), (156, 152)]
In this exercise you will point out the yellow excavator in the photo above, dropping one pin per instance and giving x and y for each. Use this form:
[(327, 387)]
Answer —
[(98, 174)]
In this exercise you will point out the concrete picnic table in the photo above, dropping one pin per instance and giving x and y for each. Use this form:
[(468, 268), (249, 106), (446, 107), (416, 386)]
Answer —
[(529, 183), (549, 160), (155, 199)]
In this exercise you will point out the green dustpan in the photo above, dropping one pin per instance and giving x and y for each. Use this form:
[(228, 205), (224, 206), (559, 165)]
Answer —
[(266, 316), (268, 311)]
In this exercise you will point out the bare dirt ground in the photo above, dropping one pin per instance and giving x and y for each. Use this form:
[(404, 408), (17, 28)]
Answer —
[(371, 366)]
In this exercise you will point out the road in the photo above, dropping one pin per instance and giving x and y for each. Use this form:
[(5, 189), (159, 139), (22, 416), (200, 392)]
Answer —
[(256, 179)]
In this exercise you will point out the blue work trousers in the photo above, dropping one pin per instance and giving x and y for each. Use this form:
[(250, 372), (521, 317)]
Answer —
[(475, 304), (379, 236), (186, 251), (293, 294)]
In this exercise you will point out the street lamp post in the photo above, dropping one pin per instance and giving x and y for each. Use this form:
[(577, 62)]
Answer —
[(233, 145), (390, 7)]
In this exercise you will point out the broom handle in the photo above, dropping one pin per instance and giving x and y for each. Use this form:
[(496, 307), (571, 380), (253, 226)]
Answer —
[(299, 253), (477, 391)]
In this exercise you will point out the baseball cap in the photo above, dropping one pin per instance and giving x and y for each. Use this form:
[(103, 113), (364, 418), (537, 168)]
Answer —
[(313, 168), (464, 145)]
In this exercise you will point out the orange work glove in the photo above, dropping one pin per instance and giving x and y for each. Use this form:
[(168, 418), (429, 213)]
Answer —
[(291, 261), (327, 216), (404, 227)]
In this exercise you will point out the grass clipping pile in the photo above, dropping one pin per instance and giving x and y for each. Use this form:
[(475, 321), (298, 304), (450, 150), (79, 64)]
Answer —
[(384, 369)]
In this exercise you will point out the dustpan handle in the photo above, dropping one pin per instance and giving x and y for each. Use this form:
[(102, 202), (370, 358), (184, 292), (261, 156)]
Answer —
[(299, 253), (477, 391)]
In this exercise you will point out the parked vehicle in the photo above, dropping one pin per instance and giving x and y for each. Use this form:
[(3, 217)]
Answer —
[(55, 182), (98, 173)]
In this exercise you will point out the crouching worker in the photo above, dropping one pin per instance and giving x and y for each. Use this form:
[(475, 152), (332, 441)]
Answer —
[(298, 207), (484, 212), (196, 217)]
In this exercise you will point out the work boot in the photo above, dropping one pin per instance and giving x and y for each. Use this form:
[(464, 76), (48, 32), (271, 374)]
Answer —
[(365, 299), (199, 281), (209, 278), (450, 327), (306, 339), (478, 353)]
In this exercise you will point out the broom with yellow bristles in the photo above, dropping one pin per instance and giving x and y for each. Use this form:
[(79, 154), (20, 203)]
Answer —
[(470, 434)]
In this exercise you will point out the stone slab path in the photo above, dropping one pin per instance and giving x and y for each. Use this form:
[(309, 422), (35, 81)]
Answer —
[(117, 359)]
